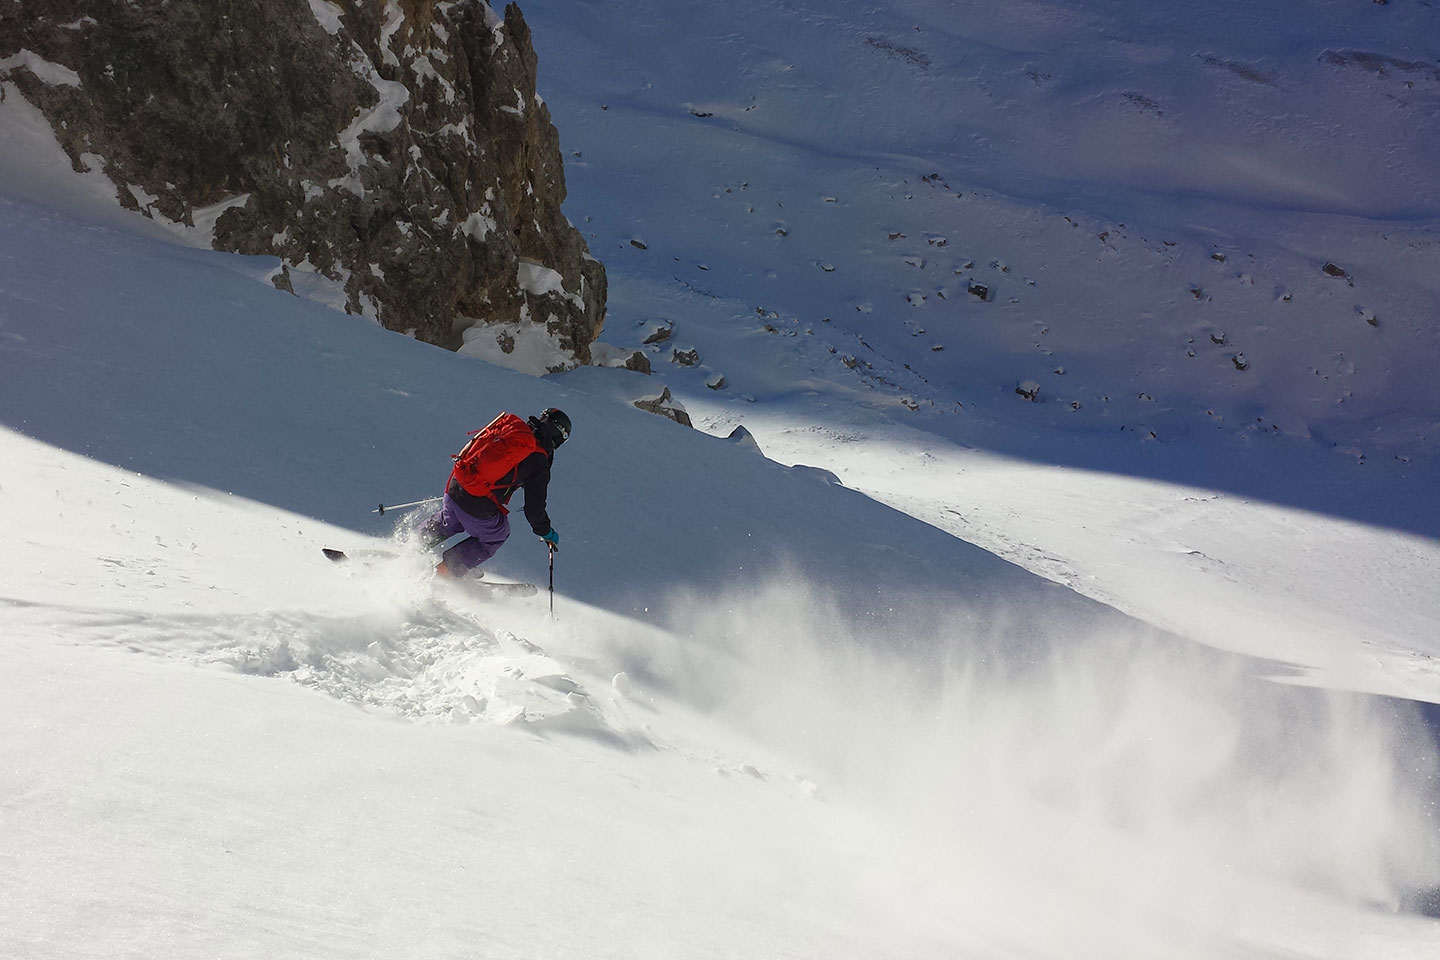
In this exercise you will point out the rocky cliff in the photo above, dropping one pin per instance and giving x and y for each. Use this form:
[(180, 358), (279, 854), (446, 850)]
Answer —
[(397, 147)]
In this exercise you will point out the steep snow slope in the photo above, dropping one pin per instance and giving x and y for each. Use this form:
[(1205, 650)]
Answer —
[(809, 761), (773, 717), (1149, 196)]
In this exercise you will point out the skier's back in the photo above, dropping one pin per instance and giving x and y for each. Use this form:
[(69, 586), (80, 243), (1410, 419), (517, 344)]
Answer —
[(509, 454)]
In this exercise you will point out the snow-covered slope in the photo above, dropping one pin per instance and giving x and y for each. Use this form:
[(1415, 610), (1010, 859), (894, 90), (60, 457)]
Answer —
[(718, 755), (774, 715), (1150, 196), (1131, 183)]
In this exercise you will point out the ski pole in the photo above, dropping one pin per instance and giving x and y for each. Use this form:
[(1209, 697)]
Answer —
[(398, 506), (552, 582)]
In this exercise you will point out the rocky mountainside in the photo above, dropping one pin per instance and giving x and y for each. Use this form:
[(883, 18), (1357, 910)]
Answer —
[(398, 148)]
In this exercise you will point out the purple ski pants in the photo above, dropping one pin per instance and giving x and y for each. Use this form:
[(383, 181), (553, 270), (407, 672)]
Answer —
[(487, 535)]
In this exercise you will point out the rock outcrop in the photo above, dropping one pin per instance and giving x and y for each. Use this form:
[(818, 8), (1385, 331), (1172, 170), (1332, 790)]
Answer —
[(396, 147)]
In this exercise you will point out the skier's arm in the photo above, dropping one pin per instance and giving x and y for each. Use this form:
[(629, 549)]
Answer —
[(537, 487)]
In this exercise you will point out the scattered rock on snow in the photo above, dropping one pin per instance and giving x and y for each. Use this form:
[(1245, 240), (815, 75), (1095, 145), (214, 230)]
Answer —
[(660, 333), (281, 279), (605, 355), (666, 406), (686, 358), (1028, 389)]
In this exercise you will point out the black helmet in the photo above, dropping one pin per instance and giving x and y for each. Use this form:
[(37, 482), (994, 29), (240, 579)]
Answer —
[(559, 423)]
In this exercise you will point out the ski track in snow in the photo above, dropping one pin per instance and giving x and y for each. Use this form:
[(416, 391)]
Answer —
[(386, 636), (435, 661)]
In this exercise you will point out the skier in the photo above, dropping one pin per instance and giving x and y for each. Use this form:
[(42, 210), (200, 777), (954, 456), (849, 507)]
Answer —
[(507, 455)]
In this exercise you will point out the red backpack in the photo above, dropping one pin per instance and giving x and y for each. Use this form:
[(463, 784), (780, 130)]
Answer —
[(493, 454)]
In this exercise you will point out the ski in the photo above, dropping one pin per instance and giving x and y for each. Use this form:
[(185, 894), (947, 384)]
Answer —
[(474, 584), (340, 556), (497, 587)]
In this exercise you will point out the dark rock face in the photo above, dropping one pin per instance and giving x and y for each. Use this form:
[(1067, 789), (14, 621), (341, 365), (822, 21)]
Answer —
[(398, 148)]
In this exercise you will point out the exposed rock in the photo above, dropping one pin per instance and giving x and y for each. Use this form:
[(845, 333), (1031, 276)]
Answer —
[(1028, 389), (659, 335), (398, 149), (638, 362), (717, 382), (978, 290), (666, 406), (1332, 270), (686, 358)]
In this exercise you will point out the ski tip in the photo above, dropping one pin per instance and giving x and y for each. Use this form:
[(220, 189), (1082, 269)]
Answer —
[(333, 554)]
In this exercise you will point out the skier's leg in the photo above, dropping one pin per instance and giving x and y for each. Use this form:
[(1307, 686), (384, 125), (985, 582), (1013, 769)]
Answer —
[(486, 536), (463, 557), (441, 526)]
